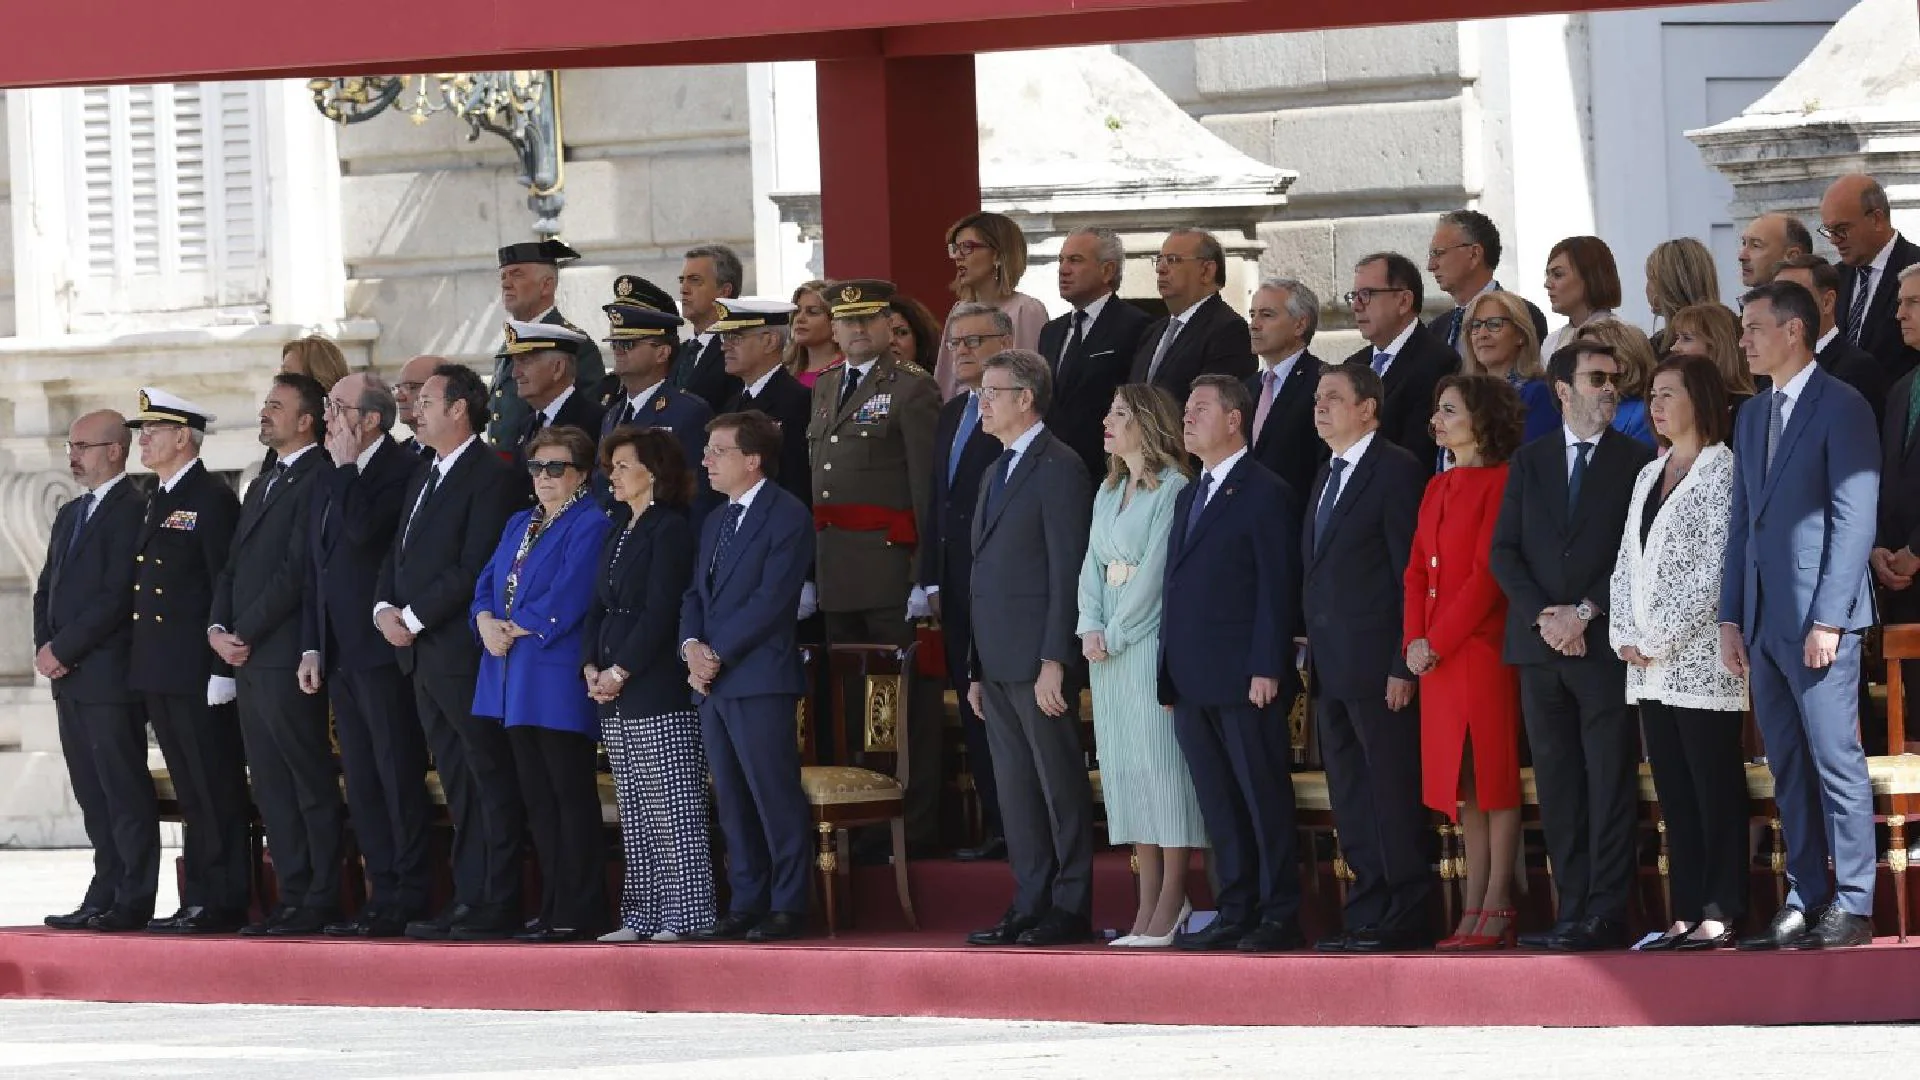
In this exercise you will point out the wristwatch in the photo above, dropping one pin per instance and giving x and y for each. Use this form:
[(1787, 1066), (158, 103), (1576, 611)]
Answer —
[(1583, 611)]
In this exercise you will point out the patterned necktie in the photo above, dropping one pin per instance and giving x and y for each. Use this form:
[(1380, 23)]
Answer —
[(80, 523), (1776, 423), (1381, 358), (1328, 497), (848, 386), (687, 359), (273, 479), (1075, 342), (969, 420), (1857, 311), (1453, 327), (1174, 326), (1581, 452), (1199, 501), (1913, 408), (1269, 380), (725, 540)]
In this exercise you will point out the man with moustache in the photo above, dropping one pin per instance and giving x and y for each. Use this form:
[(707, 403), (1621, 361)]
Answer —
[(529, 279), (1090, 348), (1768, 241), (1201, 334), (1282, 321), (82, 633)]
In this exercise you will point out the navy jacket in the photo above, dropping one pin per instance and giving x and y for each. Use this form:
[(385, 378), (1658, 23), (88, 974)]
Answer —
[(83, 603), (636, 611), (743, 607)]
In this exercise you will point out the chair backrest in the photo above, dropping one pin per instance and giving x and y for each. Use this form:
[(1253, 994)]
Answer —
[(875, 723), (1898, 642)]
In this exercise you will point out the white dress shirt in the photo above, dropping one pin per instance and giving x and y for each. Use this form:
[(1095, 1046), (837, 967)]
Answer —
[(1574, 441), (441, 466), (1219, 472), (1393, 347), (1794, 388), (1351, 455)]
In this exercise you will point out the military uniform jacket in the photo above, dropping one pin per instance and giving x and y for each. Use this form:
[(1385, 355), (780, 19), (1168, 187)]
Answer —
[(510, 413), (183, 545), (257, 596), (872, 470)]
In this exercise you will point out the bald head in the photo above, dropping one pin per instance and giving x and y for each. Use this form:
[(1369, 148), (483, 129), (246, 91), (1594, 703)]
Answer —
[(413, 375), (97, 445), (1768, 241), (1855, 215)]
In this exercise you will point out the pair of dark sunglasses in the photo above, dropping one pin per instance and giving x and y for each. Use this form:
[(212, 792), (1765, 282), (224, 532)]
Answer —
[(553, 470)]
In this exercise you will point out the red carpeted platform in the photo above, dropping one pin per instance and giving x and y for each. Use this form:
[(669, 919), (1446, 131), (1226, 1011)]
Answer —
[(884, 970)]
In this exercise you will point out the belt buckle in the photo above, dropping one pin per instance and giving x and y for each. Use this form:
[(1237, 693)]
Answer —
[(1119, 573)]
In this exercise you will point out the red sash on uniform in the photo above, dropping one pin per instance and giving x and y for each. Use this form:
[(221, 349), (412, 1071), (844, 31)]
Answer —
[(865, 517)]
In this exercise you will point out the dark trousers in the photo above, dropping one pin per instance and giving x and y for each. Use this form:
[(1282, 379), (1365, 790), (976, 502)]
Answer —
[(296, 783), (1699, 773), (1820, 781), (1372, 757), (1046, 802), (889, 626), (1584, 757), (1238, 756), (385, 758), (105, 747), (204, 760), (556, 770), (476, 770), (764, 816)]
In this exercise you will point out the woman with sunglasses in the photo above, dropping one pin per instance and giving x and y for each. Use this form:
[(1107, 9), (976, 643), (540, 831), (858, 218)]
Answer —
[(1501, 342), (989, 254), (529, 609)]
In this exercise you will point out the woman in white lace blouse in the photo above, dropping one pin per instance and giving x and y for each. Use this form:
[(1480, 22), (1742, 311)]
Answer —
[(1665, 613)]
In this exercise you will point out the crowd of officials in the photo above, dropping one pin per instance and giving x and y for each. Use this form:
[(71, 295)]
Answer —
[(1601, 542)]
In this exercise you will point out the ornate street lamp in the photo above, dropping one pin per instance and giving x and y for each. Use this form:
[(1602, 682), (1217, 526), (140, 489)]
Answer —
[(522, 107)]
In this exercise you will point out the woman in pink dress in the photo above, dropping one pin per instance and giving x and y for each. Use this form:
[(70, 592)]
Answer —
[(811, 350), (989, 254)]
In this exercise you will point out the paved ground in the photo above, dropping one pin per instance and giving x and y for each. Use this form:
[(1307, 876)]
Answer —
[(92, 1041)]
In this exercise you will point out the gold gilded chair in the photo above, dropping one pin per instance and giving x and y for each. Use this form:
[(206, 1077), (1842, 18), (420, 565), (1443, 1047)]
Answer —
[(848, 796)]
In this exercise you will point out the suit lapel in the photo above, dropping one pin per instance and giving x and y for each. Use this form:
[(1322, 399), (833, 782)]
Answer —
[(1803, 414), (1362, 476), (272, 494), (1029, 462), (1598, 464), (1295, 382), (750, 525), (1224, 489)]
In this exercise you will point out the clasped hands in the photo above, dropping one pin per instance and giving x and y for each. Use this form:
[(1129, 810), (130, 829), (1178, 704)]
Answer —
[(46, 665), (1894, 570), (703, 665), (604, 686), (1564, 631), (228, 646), (498, 635)]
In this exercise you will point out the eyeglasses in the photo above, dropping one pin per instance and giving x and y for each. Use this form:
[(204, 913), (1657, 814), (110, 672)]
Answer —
[(1363, 297), (1840, 231), (1598, 379), (961, 249), (552, 470), (714, 451), (83, 447), (1441, 252), (992, 393), (154, 427), (1167, 262), (1497, 324), (971, 341), (340, 407), (425, 403)]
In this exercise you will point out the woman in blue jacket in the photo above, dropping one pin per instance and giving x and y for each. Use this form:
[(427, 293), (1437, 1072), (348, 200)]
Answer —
[(529, 608)]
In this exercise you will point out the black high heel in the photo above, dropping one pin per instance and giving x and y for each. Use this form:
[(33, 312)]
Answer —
[(1667, 942), (1721, 940)]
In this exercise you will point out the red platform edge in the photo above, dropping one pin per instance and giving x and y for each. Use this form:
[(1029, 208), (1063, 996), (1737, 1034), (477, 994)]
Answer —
[(931, 974)]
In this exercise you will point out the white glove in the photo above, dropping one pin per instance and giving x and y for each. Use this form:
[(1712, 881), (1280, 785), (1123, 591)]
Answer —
[(809, 600), (917, 606), (221, 689)]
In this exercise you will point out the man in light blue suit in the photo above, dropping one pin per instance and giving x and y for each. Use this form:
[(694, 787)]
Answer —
[(737, 637), (1793, 601)]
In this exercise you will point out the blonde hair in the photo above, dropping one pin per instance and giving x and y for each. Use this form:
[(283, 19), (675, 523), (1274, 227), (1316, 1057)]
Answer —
[(318, 357), (1630, 347), (1009, 244), (1157, 416), (796, 358), (1680, 274), (1719, 327), (1527, 365)]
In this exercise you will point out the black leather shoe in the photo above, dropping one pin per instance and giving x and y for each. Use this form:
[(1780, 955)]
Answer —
[(1218, 935), (199, 920), (1543, 939), (1666, 942), (550, 935), (1382, 940), (354, 927), (778, 926), (1005, 932), (1058, 928), (1593, 934), (1836, 930), (487, 922), (266, 925), (438, 927), (1788, 923), (1721, 940), (993, 847), (734, 927), (76, 919), (1334, 943), (303, 922), (1273, 936), (119, 921)]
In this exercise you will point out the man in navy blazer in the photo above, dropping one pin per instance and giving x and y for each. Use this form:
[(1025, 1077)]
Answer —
[(1794, 599), (356, 510), (1091, 348), (1227, 668), (743, 661)]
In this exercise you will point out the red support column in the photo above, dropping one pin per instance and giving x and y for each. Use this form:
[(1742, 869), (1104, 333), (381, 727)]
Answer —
[(899, 163)]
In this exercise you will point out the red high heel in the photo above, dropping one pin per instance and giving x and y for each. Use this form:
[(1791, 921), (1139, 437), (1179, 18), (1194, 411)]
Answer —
[(1458, 940), (1507, 938)]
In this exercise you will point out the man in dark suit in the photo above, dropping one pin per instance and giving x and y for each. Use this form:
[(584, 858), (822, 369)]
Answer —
[(1029, 539), (357, 500), (450, 522), (1357, 540), (1554, 547), (643, 333), (183, 544), (82, 631), (1464, 255), (1856, 216), (1227, 669), (254, 626), (1201, 334), (1410, 361), (1794, 601), (963, 452), (1833, 350), (1281, 321), (529, 278), (753, 334), (1896, 555), (743, 662), (710, 273), (1091, 348)]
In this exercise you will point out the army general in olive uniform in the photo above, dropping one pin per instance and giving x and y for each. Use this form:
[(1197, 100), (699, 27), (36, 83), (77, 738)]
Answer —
[(871, 443)]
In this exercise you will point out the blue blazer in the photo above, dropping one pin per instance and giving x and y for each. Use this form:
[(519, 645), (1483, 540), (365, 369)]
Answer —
[(1807, 527), (539, 683), (743, 609), (1232, 591), (1630, 418)]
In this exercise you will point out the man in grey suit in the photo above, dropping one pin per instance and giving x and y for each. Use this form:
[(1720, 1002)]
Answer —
[(1794, 600), (1029, 538)]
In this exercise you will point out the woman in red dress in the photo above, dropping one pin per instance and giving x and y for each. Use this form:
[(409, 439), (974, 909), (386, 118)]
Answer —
[(1455, 614)]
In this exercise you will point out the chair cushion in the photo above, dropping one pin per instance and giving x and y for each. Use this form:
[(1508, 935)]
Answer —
[(1310, 791), (831, 785), (1898, 775), (163, 786)]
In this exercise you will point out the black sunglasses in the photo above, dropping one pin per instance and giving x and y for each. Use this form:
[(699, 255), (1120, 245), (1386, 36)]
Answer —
[(554, 470)]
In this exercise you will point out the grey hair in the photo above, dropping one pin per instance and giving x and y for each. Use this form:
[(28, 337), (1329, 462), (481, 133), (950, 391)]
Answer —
[(1302, 303), (1002, 322), (196, 437), (1907, 272), (1030, 372), (1210, 249), (376, 397), (727, 270), (1111, 248)]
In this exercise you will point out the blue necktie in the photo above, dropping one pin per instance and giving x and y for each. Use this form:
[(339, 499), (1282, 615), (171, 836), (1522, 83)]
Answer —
[(1453, 327), (1328, 497), (998, 482), (80, 523), (969, 420), (1776, 423), (1581, 450), (1199, 501), (1381, 358), (727, 528)]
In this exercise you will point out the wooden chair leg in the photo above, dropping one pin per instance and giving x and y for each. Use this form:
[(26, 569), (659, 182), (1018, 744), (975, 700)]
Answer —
[(1666, 882), (1777, 857), (1342, 873), (900, 872), (1897, 868), (1445, 831), (829, 866)]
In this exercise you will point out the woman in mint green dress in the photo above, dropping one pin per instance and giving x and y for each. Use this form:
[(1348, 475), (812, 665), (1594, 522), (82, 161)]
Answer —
[(1143, 776)]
